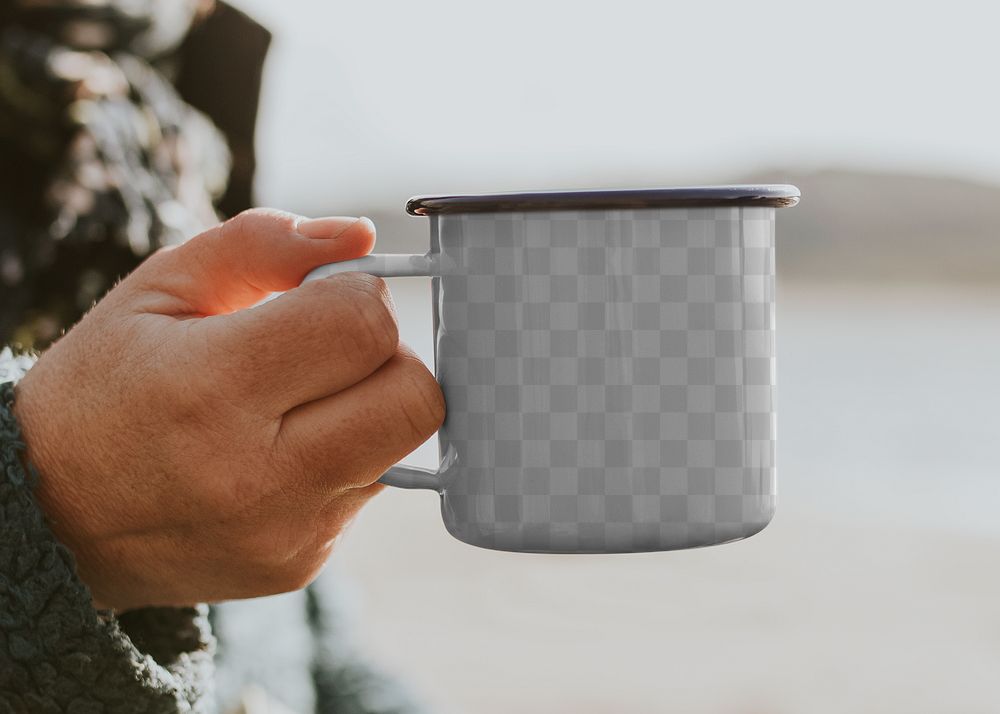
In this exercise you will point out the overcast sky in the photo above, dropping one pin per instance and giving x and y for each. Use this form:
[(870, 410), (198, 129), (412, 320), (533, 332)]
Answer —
[(368, 102)]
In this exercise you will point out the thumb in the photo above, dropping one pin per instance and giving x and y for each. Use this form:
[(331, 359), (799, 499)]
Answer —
[(243, 260)]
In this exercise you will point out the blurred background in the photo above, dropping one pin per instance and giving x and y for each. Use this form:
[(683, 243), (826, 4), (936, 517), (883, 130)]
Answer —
[(876, 587)]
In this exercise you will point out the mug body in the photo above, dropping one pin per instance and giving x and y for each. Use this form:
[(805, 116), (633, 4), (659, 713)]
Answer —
[(609, 377)]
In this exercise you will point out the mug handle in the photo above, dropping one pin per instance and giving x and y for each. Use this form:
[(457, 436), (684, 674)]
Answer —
[(388, 265)]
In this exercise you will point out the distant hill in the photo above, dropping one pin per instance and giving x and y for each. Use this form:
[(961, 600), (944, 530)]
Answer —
[(854, 226), (850, 226)]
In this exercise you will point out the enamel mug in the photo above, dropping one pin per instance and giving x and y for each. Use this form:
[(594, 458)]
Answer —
[(607, 362)]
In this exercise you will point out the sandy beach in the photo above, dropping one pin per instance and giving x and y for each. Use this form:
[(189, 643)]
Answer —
[(808, 616)]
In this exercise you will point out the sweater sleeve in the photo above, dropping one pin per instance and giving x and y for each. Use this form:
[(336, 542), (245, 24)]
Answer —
[(59, 654)]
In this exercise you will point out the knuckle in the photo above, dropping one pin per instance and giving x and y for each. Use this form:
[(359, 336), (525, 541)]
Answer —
[(292, 454), (163, 271), (421, 400), (255, 221), (293, 574), (371, 306), (369, 288), (298, 575), (159, 262), (274, 581), (264, 549)]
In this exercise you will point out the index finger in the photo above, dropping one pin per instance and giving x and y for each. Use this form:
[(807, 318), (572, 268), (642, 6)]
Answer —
[(313, 341)]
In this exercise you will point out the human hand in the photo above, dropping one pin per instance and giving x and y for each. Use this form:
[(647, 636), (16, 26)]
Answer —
[(192, 448)]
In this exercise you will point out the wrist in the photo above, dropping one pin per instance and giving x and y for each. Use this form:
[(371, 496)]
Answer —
[(33, 451)]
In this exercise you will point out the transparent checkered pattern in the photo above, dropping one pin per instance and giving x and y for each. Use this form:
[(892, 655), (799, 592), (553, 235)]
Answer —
[(608, 377)]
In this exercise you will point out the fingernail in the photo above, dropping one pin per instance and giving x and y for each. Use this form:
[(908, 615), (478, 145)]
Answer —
[(328, 227)]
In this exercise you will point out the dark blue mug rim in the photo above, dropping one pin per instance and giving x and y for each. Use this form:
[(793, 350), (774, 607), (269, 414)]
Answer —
[(765, 195)]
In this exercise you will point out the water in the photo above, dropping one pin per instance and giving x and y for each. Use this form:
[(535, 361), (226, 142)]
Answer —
[(888, 401), (889, 405)]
